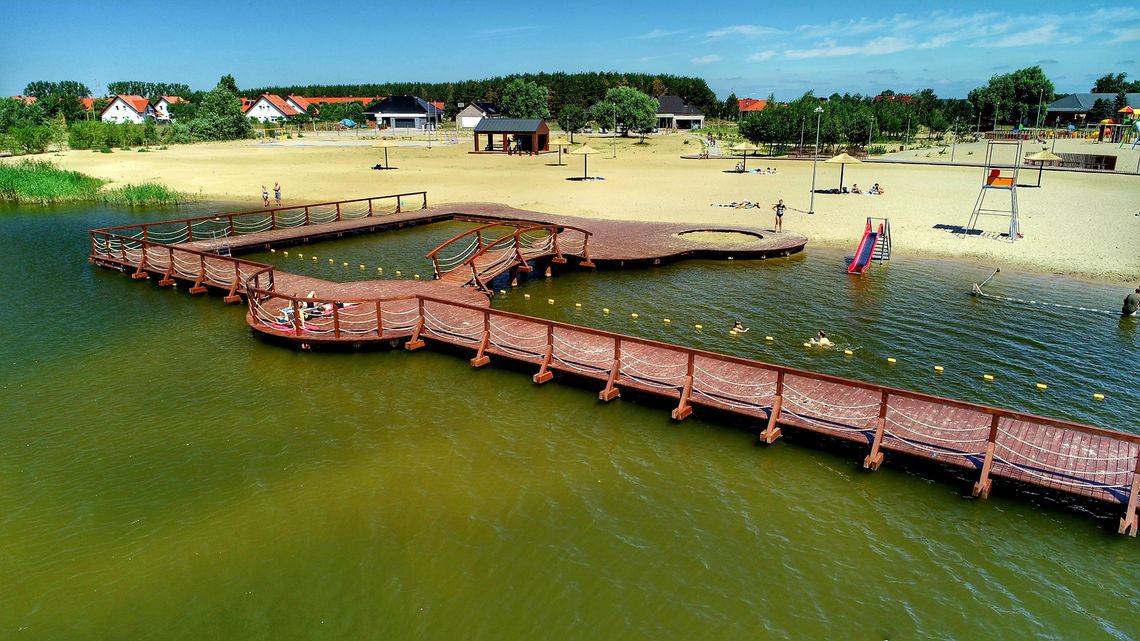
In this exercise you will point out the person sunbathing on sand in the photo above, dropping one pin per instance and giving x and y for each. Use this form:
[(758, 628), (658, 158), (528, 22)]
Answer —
[(855, 189)]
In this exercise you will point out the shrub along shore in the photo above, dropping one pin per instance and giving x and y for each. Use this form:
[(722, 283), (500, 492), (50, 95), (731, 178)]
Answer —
[(40, 182)]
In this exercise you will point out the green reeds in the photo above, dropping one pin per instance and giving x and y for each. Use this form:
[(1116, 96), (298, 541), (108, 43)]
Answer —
[(41, 182)]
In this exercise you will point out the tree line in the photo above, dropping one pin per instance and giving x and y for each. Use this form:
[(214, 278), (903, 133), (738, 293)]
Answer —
[(583, 89)]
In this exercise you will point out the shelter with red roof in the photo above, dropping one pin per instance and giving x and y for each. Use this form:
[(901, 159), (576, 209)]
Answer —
[(751, 104)]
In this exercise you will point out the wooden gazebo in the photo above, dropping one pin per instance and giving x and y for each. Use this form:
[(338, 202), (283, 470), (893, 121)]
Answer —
[(511, 135)]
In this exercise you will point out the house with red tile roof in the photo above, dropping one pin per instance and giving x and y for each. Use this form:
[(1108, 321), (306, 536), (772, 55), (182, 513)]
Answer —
[(127, 108), (269, 108), (301, 103), (162, 106), (751, 104), (88, 103), (27, 100)]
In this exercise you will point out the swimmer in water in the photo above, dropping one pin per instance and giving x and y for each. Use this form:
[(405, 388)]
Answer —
[(822, 340), (739, 327)]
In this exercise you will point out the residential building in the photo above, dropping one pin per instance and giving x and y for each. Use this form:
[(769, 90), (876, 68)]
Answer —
[(127, 108), (162, 107), (269, 108), (405, 112), (675, 112), (471, 114)]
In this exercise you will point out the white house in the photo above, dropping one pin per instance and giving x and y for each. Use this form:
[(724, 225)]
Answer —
[(474, 112), (125, 108), (162, 107), (270, 108)]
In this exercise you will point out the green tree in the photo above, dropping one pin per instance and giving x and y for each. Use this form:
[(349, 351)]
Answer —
[(731, 110), (1101, 109), (44, 88), (228, 83), (219, 117), (33, 139), (572, 118), (634, 110), (1115, 83), (524, 99), (14, 113)]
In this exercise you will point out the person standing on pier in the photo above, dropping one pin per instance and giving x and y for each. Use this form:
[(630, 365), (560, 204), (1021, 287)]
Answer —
[(779, 209)]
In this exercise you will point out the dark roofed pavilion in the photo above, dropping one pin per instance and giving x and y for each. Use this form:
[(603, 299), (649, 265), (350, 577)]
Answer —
[(529, 136)]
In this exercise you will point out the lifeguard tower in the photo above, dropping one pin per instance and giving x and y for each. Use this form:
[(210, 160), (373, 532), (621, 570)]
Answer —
[(1003, 161)]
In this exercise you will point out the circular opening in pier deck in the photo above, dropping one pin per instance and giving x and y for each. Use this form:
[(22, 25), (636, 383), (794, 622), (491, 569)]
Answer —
[(719, 236)]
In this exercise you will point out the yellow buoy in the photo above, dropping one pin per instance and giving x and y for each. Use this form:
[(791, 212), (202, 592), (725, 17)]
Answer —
[(732, 332), (379, 270), (730, 257), (549, 301), (699, 327), (502, 291), (666, 321), (314, 259), (346, 264), (988, 377), (272, 251), (330, 261), (633, 315), (300, 255), (848, 352), (1099, 397), (938, 368), (362, 268), (769, 338), (416, 276), (605, 310), (891, 360), (578, 305), (807, 344), (526, 296), (399, 273), (286, 254), (1042, 386)]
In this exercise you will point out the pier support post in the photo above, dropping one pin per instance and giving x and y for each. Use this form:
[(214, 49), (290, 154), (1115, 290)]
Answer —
[(772, 432), (232, 296), (611, 391), (875, 458), (140, 273), (1131, 522), (168, 277), (481, 357), (982, 487), (684, 410), (544, 374), (198, 288), (416, 342)]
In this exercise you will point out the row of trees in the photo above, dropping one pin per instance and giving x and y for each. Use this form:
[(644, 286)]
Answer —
[(562, 89), (629, 109), (149, 90)]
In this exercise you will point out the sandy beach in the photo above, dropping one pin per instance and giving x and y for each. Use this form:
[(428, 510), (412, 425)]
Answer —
[(1078, 224)]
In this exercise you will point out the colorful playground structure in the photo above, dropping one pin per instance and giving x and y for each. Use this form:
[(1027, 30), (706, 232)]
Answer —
[(999, 176), (875, 245)]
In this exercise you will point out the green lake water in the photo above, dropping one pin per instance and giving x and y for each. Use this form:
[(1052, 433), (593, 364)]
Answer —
[(166, 475)]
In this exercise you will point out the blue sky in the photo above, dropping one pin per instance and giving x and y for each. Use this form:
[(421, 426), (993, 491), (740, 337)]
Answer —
[(750, 47)]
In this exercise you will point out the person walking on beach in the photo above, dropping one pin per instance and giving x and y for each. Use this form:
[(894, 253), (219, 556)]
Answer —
[(1131, 303), (264, 196), (277, 193), (779, 209)]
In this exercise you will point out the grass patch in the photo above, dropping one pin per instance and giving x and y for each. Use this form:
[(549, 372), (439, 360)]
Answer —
[(40, 182), (141, 195)]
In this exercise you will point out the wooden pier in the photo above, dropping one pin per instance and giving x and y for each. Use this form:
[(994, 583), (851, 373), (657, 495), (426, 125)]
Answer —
[(453, 310)]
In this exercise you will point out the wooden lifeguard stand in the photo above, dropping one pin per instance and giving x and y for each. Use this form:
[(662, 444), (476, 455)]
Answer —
[(1000, 174)]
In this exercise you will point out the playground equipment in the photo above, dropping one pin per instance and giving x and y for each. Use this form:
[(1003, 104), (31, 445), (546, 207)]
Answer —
[(875, 245), (999, 176)]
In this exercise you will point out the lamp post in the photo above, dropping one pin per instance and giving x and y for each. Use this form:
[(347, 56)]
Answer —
[(613, 139), (953, 141), (815, 157), (803, 122), (1037, 120), (906, 142)]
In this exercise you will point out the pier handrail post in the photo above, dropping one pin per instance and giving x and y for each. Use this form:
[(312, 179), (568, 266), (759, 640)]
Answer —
[(1130, 523), (168, 277), (611, 391), (336, 321), (140, 273), (232, 232), (399, 205), (586, 262), (982, 487), (435, 265), (297, 322), (481, 357), (544, 374), (416, 342), (306, 215), (273, 220), (772, 431), (198, 287), (683, 409), (232, 296), (379, 320), (338, 212), (189, 232), (425, 200), (875, 458), (370, 215)]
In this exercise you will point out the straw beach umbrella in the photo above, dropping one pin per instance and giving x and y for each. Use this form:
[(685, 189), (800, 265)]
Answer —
[(585, 151), (842, 159), (1041, 158), (744, 148), (560, 143), (385, 144)]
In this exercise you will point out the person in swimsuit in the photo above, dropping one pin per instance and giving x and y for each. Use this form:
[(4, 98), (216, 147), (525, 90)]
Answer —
[(277, 193), (1131, 303), (779, 209), (739, 327), (822, 340), (264, 196)]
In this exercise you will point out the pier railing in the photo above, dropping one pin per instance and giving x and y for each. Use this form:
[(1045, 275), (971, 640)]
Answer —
[(173, 232), (1060, 455)]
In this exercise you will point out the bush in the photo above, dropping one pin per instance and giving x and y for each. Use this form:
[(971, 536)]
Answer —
[(31, 139), (39, 181), (877, 150), (140, 195)]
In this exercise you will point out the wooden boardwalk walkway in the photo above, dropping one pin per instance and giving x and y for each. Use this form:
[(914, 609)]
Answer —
[(1058, 455)]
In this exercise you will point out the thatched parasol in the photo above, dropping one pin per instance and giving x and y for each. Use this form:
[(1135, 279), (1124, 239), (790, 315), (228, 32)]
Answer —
[(1042, 157), (560, 143), (842, 159), (385, 144), (744, 148), (585, 151)]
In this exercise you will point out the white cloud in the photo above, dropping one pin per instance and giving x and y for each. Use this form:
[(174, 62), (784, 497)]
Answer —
[(744, 30), (761, 56), (1045, 35), (704, 60), (1125, 35), (876, 47), (658, 33)]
